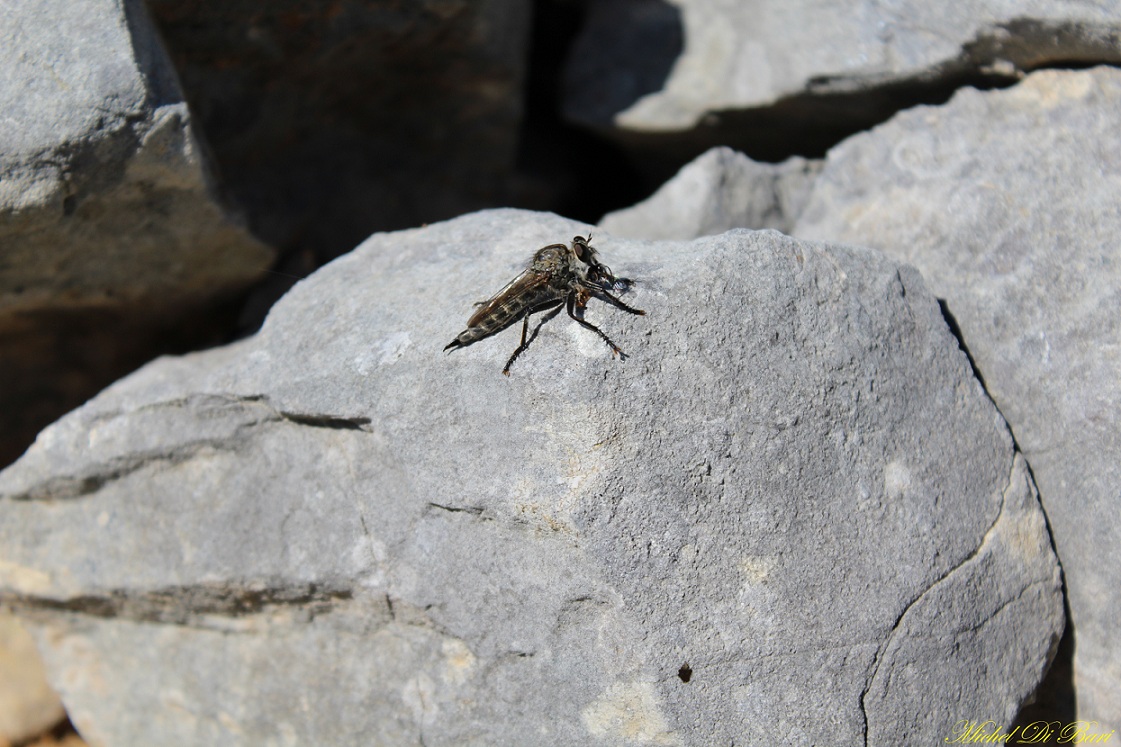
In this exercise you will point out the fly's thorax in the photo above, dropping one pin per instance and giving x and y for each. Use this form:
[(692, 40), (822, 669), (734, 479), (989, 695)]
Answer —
[(553, 256), (556, 261)]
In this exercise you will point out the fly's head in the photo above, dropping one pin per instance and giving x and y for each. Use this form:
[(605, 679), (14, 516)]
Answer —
[(593, 272)]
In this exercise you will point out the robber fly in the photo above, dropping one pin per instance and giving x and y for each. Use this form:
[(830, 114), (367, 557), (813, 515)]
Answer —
[(558, 275)]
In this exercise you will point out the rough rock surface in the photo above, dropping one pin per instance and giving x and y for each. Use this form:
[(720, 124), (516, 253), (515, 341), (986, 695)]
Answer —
[(754, 70), (1008, 202), (791, 515), (28, 705), (721, 189), (108, 220)]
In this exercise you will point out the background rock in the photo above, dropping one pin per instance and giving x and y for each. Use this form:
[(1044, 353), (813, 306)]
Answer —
[(1007, 202), (790, 515), (110, 232), (722, 189), (762, 75)]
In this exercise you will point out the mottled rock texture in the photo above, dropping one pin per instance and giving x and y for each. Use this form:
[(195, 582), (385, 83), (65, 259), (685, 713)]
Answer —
[(791, 515), (110, 232), (763, 74), (1007, 201)]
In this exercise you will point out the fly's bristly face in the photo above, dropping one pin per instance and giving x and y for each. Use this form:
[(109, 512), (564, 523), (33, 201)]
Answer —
[(558, 276)]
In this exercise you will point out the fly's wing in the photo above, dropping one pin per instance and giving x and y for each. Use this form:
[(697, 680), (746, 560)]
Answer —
[(528, 285)]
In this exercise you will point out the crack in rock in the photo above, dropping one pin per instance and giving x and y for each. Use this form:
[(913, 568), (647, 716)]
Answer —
[(183, 605), (78, 486), (472, 510), (327, 421), (978, 551), (1011, 49), (229, 418)]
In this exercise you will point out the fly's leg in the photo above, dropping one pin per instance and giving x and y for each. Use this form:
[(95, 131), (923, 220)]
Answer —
[(526, 342), (619, 304), (522, 346), (615, 349)]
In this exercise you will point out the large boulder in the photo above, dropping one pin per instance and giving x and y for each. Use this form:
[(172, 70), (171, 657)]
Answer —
[(111, 232), (1007, 203), (791, 514)]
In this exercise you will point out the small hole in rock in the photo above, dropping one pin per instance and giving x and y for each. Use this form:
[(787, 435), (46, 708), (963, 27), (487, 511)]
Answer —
[(685, 673)]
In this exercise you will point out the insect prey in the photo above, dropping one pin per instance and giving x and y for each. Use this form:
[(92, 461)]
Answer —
[(558, 276)]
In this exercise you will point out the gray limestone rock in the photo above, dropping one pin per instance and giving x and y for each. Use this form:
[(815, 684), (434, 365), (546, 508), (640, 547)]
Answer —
[(720, 190), (791, 515), (752, 71), (1007, 201), (110, 228), (104, 196)]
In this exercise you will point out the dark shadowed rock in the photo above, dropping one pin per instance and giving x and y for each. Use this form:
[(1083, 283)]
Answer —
[(110, 232), (791, 515), (333, 120)]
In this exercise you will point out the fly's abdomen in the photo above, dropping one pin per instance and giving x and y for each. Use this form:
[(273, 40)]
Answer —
[(500, 313)]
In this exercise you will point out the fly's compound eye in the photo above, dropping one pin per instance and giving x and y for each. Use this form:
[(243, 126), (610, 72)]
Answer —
[(584, 250)]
